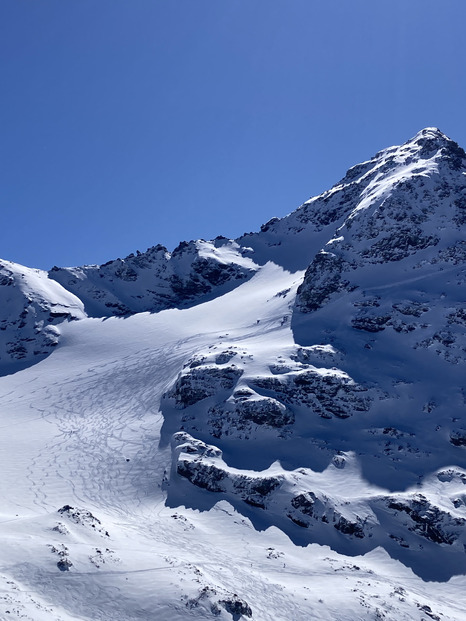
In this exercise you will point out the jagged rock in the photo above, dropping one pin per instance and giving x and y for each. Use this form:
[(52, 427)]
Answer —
[(349, 527), (252, 490), (412, 309), (236, 607), (183, 442), (323, 280), (201, 464), (370, 323), (264, 411), (200, 382), (458, 437), (64, 564), (329, 393), (156, 279), (206, 476), (305, 503), (427, 520), (255, 490), (83, 517)]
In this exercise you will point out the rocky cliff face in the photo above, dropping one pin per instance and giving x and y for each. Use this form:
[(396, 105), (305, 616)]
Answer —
[(387, 290)]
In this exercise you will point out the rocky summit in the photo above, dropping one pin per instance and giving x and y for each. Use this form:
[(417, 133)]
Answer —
[(268, 428)]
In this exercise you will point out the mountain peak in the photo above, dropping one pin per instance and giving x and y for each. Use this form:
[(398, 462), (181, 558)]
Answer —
[(429, 132), (428, 142)]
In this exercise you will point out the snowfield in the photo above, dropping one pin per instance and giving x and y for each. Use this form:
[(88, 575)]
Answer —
[(287, 443)]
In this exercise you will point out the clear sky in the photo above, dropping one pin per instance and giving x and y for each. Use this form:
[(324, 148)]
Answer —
[(127, 123)]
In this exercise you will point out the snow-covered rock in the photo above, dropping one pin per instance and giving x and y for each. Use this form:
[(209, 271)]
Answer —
[(336, 508), (32, 308), (156, 279)]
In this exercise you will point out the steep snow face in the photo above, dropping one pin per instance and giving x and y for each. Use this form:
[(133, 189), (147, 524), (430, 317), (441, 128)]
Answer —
[(294, 240), (401, 250), (380, 317), (155, 280), (32, 306), (410, 214)]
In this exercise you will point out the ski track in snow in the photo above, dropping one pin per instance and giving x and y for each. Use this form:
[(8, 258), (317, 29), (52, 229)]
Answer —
[(90, 423)]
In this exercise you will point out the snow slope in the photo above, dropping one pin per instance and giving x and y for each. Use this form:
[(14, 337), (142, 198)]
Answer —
[(263, 454), (87, 431)]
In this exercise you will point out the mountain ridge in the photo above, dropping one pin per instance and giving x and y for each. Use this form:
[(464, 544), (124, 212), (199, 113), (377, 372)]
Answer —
[(197, 271)]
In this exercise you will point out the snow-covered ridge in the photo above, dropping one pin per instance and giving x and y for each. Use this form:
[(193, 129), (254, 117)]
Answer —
[(401, 201), (156, 279), (294, 240), (32, 305), (198, 270)]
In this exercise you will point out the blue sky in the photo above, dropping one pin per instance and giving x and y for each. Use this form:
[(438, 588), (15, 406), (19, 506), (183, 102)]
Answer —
[(127, 123)]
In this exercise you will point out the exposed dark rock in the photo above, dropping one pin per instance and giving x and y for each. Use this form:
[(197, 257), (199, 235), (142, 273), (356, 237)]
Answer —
[(328, 394), (370, 323), (349, 527), (400, 245), (323, 279), (202, 475), (236, 607), (264, 411), (201, 382), (429, 521), (64, 564), (83, 517), (413, 309), (458, 437), (254, 491), (305, 503)]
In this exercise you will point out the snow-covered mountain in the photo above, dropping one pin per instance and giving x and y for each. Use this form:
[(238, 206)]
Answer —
[(31, 307), (271, 427), (156, 279)]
